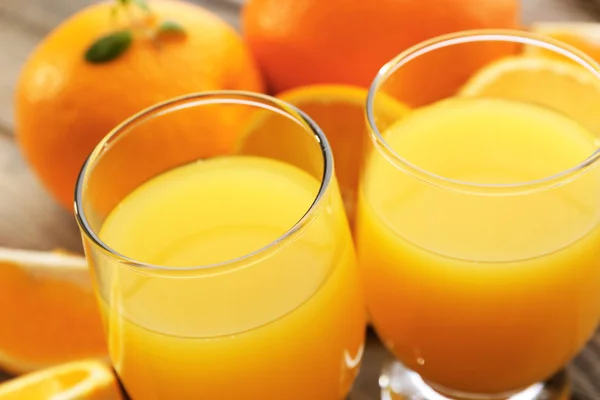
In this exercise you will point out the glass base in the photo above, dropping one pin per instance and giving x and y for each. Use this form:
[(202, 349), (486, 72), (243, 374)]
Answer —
[(400, 383)]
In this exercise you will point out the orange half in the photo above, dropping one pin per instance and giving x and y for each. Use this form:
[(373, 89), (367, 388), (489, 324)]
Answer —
[(562, 86), (584, 36), (49, 312), (339, 110), (80, 380)]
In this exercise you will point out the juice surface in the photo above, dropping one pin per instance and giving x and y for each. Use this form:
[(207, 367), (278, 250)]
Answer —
[(287, 323), (482, 292)]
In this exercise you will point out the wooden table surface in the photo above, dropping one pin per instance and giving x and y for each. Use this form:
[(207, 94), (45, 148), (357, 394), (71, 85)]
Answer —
[(30, 219)]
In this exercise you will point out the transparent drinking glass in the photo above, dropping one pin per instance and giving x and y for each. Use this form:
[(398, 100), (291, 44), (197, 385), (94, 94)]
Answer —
[(222, 260), (478, 230)]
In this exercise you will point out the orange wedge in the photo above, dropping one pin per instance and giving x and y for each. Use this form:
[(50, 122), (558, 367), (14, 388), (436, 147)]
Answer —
[(584, 36), (340, 112), (79, 380), (559, 85), (49, 312)]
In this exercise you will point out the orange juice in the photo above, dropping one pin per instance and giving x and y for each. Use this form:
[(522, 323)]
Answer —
[(287, 322), (482, 290)]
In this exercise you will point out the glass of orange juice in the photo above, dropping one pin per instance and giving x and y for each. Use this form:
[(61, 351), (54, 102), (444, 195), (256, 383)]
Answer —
[(478, 231), (223, 264)]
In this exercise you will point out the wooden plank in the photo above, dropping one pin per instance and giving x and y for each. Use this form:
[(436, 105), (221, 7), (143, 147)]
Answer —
[(366, 386), (40, 15), (28, 217), (559, 10), (16, 44)]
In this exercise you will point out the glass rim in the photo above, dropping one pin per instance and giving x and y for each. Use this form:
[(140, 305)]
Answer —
[(252, 99), (473, 36)]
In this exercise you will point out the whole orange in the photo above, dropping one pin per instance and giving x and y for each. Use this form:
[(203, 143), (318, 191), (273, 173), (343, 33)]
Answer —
[(65, 103), (301, 42)]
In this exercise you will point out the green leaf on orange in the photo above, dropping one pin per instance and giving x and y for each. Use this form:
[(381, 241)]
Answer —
[(109, 47), (171, 27)]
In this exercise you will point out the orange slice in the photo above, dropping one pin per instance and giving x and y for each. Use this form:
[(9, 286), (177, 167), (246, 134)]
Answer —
[(79, 380), (340, 112), (49, 312), (584, 36), (559, 85)]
